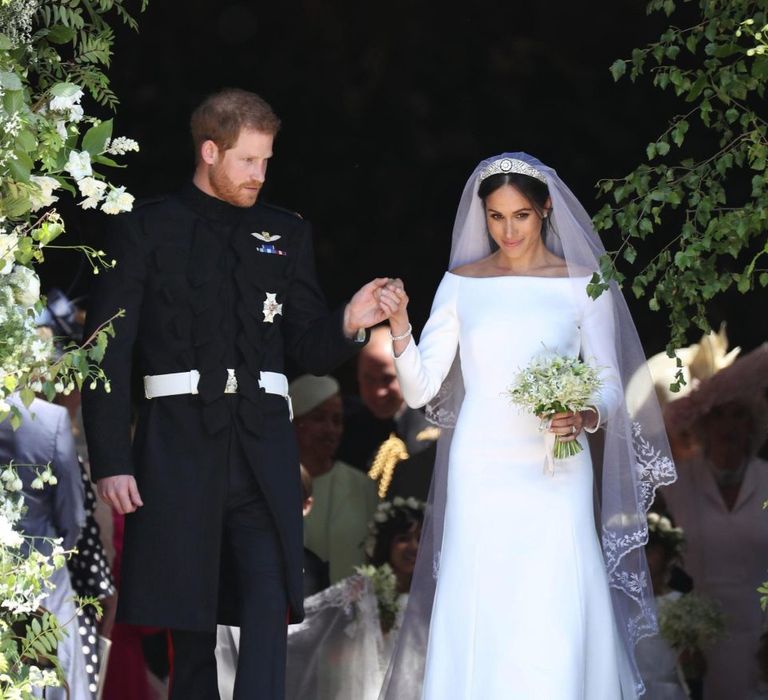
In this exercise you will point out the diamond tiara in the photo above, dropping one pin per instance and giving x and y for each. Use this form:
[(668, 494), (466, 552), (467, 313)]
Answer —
[(511, 165)]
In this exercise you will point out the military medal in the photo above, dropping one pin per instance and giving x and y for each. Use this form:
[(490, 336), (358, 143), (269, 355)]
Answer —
[(269, 249), (271, 308)]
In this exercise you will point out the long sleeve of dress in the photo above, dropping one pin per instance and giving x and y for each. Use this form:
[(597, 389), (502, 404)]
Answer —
[(598, 349), (421, 369)]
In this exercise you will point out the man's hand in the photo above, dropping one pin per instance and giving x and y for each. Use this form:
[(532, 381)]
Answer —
[(120, 492), (364, 310)]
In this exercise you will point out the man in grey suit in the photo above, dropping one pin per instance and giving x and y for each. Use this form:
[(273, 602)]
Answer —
[(56, 511)]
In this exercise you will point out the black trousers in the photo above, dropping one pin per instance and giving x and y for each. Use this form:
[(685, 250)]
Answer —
[(250, 534)]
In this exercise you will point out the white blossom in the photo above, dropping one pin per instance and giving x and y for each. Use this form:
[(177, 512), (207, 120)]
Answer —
[(79, 165), (93, 190), (8, 243), (25, 284), (61, 129), (117, 201), (45, 197), (8, 536), (121, 145), (70, 105)]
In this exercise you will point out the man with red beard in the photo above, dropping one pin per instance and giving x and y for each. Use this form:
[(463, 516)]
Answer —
[(218, 288)]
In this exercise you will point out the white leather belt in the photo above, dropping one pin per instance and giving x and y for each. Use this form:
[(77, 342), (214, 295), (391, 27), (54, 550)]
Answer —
[(177, 383)]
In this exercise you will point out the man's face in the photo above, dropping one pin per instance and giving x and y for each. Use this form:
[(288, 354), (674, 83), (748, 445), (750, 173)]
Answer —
[(377, 380), (237, 174)]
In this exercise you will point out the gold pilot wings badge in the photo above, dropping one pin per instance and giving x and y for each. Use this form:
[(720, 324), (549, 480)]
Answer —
[(265, 236)]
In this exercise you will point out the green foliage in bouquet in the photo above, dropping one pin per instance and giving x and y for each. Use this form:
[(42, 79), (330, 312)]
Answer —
[(692, 216), (385, 587), (53, 57)]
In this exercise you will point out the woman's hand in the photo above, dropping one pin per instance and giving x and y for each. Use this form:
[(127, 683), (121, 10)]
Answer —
[(569, 425), (394, 302)]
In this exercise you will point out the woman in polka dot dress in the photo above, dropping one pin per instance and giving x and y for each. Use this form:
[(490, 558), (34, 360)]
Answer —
[(91, 577)]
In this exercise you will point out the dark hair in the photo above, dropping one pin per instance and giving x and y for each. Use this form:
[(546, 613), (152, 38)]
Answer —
[(532, 189), (401, 522), (222, 115)]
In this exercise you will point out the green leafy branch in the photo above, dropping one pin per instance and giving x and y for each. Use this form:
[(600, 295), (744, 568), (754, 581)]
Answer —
[(691, 219)]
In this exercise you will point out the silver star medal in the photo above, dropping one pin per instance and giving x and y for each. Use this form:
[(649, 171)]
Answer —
[(271, 308), (265, 236)]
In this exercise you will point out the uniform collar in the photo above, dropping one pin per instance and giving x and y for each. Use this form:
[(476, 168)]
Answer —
[(213, 208)]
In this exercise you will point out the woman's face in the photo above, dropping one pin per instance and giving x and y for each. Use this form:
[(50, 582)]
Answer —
[(403, 551), (319, 431), (513, 222)]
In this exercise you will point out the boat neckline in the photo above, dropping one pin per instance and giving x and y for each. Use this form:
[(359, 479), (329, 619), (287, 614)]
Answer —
[(535, 277)]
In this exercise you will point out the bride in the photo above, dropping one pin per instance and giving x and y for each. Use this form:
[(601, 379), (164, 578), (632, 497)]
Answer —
[(529, 583)]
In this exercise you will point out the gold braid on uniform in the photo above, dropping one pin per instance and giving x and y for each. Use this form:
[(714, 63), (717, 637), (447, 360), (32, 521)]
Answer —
[(390, 452)]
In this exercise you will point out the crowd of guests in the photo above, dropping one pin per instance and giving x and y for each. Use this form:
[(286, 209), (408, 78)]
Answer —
[(366, 463)]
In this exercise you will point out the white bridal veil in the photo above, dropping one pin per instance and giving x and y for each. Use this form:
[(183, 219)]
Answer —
[(635, 458)]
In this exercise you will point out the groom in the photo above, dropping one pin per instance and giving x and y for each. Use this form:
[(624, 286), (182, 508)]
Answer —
[(218, 288)]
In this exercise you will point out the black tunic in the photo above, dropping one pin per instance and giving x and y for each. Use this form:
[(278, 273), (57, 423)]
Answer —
[(193, 280)]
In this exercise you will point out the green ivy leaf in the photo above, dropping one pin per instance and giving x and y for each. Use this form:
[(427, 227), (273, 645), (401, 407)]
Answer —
[(21, 166), (65, 90), (95, 139), (10, 81), (59, 34), (27, 396), (618, 69)]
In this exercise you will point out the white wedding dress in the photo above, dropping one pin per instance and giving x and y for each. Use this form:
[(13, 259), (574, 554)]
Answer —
[(522, 608)]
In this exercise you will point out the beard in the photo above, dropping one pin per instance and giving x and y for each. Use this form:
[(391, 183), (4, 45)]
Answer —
[(239, 195)]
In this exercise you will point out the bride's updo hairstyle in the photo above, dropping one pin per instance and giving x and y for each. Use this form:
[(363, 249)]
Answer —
[(534, 190)]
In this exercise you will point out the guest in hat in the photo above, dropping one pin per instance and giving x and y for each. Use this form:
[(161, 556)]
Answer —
[(344, 499), (718, 501)]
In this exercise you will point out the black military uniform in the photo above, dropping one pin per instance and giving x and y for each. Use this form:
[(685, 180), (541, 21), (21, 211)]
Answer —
[(208, 286)]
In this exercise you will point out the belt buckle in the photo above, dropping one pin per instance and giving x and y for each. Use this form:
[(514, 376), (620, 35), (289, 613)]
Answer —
[(231, 386)]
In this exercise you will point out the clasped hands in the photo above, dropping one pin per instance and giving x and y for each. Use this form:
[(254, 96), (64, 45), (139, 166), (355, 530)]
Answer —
[(377, 301), (383, 298)]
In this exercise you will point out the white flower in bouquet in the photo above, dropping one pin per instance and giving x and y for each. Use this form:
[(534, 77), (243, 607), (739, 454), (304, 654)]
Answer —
[(79, 164), (556, 384), (93, 190), (25, 284), (121, 145), (69, 104), (61, 129), (690, 622), (117, 201), (46, 186), (8, 536), (8, 243), (385, 587)]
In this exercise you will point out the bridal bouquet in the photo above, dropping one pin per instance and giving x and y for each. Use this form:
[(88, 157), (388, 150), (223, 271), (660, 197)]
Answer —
[(385, 587), (555, 384)]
